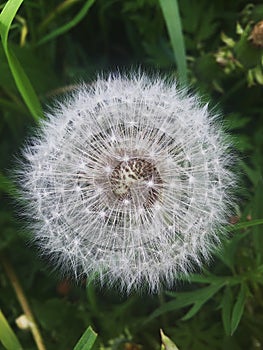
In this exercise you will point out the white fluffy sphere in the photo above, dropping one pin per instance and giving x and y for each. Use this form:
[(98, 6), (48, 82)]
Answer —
[(128, 180)]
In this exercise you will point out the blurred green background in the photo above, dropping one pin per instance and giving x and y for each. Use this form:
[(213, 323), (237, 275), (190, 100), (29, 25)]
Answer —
[(213, 46)]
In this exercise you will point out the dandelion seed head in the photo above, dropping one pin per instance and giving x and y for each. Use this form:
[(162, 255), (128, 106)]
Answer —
[(128, 179)]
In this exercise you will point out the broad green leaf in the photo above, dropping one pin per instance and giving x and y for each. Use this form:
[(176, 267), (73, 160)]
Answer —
[(227, 306), (87, 340), (22, 82), (66, 27), (173, 22), (7, 336), (238, 308)]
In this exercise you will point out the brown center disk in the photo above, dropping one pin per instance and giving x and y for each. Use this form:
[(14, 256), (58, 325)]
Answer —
[(136, 181)]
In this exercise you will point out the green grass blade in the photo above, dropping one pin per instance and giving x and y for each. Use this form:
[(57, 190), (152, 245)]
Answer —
[(87, 340), (7, 336), (66, 27), (173, 22), (245, 224), (22, 82)]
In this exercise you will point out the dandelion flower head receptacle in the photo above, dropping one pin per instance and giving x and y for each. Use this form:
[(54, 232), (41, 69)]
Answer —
[(128, 179)]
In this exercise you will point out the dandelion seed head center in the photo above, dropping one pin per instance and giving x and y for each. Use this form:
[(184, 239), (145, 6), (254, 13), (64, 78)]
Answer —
[(137, 180)]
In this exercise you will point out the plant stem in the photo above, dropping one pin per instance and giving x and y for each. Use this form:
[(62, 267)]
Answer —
[(23, 302)]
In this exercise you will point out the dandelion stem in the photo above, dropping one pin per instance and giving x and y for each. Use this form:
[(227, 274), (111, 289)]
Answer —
[(23, 301)]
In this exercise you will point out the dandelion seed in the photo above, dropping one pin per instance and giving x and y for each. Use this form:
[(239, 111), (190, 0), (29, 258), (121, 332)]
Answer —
[(129, 179)]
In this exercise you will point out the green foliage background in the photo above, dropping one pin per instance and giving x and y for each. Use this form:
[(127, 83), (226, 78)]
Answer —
[(52, 46)]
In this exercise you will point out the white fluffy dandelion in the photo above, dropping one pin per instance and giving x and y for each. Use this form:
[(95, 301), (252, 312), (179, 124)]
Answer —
[(129, 180)]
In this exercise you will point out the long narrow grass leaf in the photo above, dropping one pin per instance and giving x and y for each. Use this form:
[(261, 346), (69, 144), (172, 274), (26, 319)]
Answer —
[(172, 18), (22, 82), (245, 224), (66, 27), (87, 340), (7, 336)]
